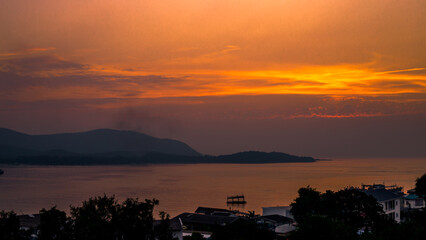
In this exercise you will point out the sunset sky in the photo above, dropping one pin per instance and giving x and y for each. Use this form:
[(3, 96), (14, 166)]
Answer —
[(325, 78)]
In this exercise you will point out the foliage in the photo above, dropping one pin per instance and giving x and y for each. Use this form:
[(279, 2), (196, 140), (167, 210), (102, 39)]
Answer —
[(9, 227), (348, 210), (95, 219), (135, 219), (251, 214), (308, 203), (349, 205), (162, 230), (413, 228), (415, 225), (242, 230), (322, 227), (54, 225), (421, 186), (98, 218), (104, 218), (354, 208)]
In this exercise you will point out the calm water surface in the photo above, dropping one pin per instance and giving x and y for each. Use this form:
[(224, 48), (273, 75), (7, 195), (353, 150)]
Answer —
[(180, 188)]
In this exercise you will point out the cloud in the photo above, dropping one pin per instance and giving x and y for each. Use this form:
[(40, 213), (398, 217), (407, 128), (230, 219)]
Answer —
[(353, 115), (36, 64), (49, 76), (25, 52)]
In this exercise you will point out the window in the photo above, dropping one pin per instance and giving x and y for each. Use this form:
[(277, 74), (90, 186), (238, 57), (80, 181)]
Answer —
[(418, 202), (390, 205)]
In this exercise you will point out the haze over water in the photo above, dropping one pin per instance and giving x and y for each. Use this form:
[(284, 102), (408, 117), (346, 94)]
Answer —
[(182, 188)]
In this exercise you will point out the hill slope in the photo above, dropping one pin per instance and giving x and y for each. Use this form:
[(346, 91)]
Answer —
[(113, 147), (13, 143)]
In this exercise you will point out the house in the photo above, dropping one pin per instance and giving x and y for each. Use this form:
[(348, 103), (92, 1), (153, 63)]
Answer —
[(279, 210), (201, 223), (390, 197), (215, 211), (279, 224), (279, 219), (412, 201)]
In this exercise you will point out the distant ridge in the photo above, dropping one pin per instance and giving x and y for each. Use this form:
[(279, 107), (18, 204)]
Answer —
[(14, 143), (257, 157), (114, 147)]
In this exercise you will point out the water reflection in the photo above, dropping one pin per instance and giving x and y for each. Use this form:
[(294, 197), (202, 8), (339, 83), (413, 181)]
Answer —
[(182, 188)]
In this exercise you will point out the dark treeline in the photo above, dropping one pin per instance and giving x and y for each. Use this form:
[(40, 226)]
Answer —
[(352, 215), (120, 158), (104, 218), (97, 218)]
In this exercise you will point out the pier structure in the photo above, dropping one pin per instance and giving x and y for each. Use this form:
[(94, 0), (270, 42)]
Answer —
[(236, 199)]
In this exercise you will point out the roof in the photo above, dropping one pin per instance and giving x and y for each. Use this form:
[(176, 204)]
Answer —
[(188, 218), (175, 224), (278, 207), (277, 218), (209, 211), (411, 197), (29, 221), (382, 194)]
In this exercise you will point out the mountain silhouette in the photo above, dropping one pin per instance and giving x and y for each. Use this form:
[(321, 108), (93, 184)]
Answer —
[(114, 147), (14, 144)]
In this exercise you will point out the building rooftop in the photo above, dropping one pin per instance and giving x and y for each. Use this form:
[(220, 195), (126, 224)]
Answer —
[(213, 211), (278, 207), (175, 224), (277, 219), (191, 218), (411, 197), (382, 194)]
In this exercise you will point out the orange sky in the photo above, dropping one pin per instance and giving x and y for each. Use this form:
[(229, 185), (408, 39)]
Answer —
[(110, 55)]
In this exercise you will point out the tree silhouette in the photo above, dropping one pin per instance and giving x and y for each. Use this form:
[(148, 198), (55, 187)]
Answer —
[(348, 210), (135, 219), (323, 228), (421, 186), (54, 225), (9, 227), (242, 229), (104, 218), (162, 230), (94, 220), (308, 203)]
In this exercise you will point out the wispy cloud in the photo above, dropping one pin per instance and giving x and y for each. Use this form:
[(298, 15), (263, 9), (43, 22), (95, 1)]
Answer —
[(25, 52)]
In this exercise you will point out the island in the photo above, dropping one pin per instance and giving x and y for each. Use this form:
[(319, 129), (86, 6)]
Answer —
[(116, 147)]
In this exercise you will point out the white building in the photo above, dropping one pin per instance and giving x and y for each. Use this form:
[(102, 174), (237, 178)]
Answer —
[(412, 201), (279, 219), (390, 199), (279, 210)]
